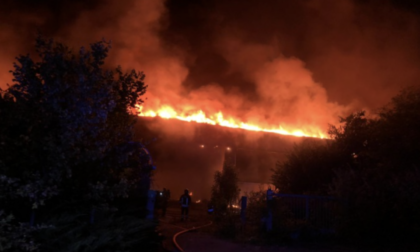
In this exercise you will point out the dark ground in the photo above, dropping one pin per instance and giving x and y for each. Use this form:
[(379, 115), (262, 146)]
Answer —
[(203, 240)]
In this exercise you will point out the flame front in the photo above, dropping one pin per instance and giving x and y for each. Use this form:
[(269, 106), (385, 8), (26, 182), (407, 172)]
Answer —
[(168, 112)]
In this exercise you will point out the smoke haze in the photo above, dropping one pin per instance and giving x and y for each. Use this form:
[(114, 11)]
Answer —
[(297, 63), (300, 63)]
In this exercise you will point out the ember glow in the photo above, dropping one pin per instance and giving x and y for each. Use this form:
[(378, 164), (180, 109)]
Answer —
[(167, 112)]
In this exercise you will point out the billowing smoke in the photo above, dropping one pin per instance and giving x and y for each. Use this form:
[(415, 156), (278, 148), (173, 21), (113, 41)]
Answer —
[(273, 63)]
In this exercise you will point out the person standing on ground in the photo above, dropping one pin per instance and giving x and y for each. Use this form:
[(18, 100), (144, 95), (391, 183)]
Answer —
[(270, 206), (270, 200), (185, 201), (168, 194), (165, 198)]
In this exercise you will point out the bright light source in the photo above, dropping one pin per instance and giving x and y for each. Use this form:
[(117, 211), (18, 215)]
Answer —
[(202, 146), (167, 111), (228, 148)]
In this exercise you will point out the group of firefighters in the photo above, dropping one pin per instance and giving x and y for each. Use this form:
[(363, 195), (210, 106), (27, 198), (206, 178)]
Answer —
[(185, 202)]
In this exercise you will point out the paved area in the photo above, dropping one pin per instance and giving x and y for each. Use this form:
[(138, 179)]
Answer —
[(199, 240)]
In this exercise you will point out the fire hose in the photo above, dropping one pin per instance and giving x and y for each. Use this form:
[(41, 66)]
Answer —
[(184, 231)]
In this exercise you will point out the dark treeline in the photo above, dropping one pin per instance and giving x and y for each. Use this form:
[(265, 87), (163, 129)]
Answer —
[(71, 176), (372, 166)]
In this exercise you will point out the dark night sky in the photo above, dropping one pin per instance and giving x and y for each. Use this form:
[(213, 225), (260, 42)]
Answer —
[(300, 62)]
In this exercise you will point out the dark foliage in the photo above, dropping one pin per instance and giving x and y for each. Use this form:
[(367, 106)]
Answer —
[(225, 193), (372, 165), (225, 190), (308, 169), (66, 136)]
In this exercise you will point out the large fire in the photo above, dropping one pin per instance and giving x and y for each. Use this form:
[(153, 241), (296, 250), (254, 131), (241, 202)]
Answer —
[(168, 112)]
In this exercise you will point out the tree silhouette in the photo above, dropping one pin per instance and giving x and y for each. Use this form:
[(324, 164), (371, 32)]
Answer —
[(372, 165), (225, 190), (66, 132)]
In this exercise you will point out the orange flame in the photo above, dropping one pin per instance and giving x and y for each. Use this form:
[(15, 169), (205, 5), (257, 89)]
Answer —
[(168, 112)]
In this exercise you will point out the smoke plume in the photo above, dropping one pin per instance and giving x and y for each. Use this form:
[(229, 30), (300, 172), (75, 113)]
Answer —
[(298, 64), (275, 63)]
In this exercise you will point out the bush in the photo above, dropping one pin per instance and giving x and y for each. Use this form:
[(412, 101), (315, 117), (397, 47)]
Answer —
[(380, 206), (225, 190)]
